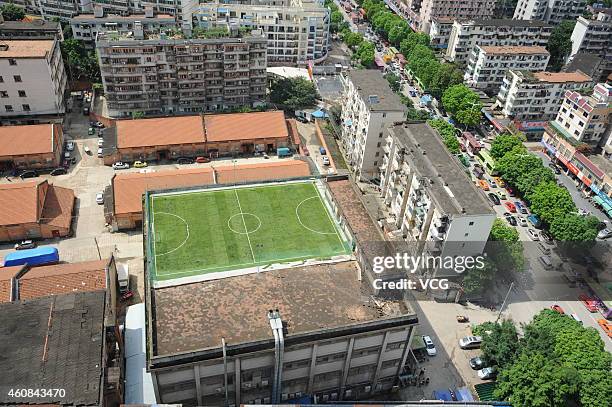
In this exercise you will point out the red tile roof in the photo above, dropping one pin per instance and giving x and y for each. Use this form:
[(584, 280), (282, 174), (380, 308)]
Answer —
[(6, 275), (128, 188), (58, 207), (227, 174), (24, 140), (245, 126), (160, 131), (19, 202), (63, 279)]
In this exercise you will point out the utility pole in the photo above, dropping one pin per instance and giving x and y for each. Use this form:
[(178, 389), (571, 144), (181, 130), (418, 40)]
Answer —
[(504, 303)]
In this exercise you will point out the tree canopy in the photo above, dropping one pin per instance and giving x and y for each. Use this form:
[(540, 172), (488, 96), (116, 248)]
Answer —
[(80, 62), (447, 133), (560, 44), (12, 12), (463, 104), (293, 93), (504, 143)]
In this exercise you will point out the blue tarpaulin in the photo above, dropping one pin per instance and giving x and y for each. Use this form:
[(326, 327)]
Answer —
[(464, 394), (442, 395), (319, 114)]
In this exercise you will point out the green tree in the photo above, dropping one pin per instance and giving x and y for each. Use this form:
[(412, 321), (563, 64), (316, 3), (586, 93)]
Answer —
[(560, 44), (514, 164), (463, 104), (500, 345), (336, 19), (551, 202), (447, 133), (504, 143), (81, 62), (412, 40), (504, 248), (293, 93), (353, 39), (394, 81), (365, 53), (534, 178), (445, 76), (572, 227), (503, 233), (477, 281), (398, 33), (12, 12)]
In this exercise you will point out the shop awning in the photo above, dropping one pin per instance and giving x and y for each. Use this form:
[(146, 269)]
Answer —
[(606, 207), (598, 200)]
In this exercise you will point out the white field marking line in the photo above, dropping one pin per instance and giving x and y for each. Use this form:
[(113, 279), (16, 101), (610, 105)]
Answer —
[(184, 241), (297, 214), (234, 187), (243, 233), (328, 216), (245, 226)]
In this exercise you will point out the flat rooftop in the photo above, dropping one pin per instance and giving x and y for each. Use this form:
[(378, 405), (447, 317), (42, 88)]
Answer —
[(29, 139), (26, 48), (117, 17), (449, 186), (560, 77), (375, 91), (514, 49), (53, 343), (312, 298), (35, 25), (500, 22)]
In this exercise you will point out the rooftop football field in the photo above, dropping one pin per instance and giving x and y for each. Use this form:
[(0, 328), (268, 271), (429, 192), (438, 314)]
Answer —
[(218, 230)]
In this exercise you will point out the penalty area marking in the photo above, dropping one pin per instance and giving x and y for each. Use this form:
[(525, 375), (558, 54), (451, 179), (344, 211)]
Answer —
[(186, 227), (297, 214)]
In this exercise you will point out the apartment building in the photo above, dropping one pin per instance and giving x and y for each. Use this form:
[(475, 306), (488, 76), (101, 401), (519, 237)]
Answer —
[(433, 201), (550, 11), (343, 346), (537, 96), (30, 30), (488, 65), (32, 82), (439, 31), (586, 118), (594, 36), (465, 35), (86, 27), (590, 64), (420, 13), (369, 107), (297, 30), (160, 75)]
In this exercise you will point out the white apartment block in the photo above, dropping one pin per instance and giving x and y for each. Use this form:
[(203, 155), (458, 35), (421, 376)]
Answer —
[(488, 65), (549, 11), (160, 75), (432, 200), (439, 31), (587, 118), (465, 35), (594, 36), (297, 30), (86, 27), (369, 106), (537, 96), (32, 81), (420, 13)]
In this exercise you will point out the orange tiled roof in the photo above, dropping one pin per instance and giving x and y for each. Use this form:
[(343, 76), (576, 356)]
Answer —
[(562, 77), (513, 49), (23, 140), (63, 279), (58, 207), (245, 126), (19, 203), (128, 188), (6, 275), (227, 174), (26, 49), (160, 131)]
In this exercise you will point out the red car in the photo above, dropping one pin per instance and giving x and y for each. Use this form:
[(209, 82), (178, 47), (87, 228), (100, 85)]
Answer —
[(589, 303), (558, 309), (202, 160), (510, 206)]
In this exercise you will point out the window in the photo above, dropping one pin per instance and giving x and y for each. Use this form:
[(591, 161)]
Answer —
[(26, 108), (1, 79), (17, 78), (22, 93), (8, 108), (3, 94), (471, 223), (12, 61), (378, 144), (375, 163)]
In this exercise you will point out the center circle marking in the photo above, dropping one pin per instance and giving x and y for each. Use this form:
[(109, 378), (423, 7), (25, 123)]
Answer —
[(243, 221)]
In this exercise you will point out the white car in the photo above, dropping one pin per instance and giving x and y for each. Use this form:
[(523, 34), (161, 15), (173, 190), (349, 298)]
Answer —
[(121, 166), (325, 160), (523, 222), (470, 342), (70, 145), (100, 142), (487, 373), (429, 345), (100, 198), (533, 234), (604, 234), (100, 153)]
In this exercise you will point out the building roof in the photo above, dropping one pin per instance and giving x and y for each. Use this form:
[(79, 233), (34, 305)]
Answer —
[(37, 25), (58, 206), (447, 183), (227, 174), (584, 62), (561, 77), (245, 126), (507, 23), (514, 49), (54, 343), (26, 48), (374, 90), (24, 140), (162, 131), (19, 203), (63, 279), (6, 277), (312, 298), (118, 17), (128, 188)]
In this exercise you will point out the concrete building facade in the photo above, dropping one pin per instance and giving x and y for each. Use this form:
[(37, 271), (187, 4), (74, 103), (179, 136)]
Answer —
[(594, 36), (550, 11), (297, 31), (488, 65), (439, 32), (32, 81), (369, 106), (420, 13), (528, 96), (465, 35), (30, 30), (160, 75)]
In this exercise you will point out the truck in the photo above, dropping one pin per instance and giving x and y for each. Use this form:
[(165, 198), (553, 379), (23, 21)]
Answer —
[(283, 152), (123, 278), (32, 257)]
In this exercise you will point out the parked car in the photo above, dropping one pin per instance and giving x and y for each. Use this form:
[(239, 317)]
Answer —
[(91, 131), (523, 222), (85, 111), (322, 151), (470, 342), (535, 221), (100, 153), (184, 160), (501, 194), (557, 308), (325, 160), (476, 363), (487, 373), (555, 168), (25, 244), (546, 261), (98, 125), (100, 142), (70, 145), (533, 234), (510, 191), (606, 326), (67, 155), (301, 119), (483, 184), (604, 234), (100, 198), (576, 318), (121, 166), (521, 207), (202, 160), (87, 150), (139, 164), (500, 182), (589, 303), (429, 345), (494, 198), (543, 248), (58, 171), (510, 206), (547, 237), (511, 220), (28, 174), (492, 183)]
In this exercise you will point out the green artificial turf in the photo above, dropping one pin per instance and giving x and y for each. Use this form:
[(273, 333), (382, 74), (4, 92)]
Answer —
[(202, 232)]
